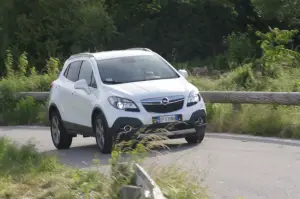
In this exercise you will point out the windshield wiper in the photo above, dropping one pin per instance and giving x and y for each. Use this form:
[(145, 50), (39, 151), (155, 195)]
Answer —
[(112, 82)]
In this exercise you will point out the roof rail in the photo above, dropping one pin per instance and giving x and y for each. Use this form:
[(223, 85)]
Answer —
[(81, 55), (144, 49)]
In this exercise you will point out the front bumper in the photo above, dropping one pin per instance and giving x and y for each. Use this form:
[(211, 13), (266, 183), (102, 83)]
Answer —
[(197, 121)]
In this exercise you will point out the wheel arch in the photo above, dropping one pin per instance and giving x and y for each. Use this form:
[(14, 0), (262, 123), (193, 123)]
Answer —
[(52, 108), (99, 111)]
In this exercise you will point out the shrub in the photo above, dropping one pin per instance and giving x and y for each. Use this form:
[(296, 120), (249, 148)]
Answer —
[(276, 55), (24, 79), (16, 161)]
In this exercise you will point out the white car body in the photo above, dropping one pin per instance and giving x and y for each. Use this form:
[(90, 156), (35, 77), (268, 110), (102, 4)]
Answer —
[(76, 101)]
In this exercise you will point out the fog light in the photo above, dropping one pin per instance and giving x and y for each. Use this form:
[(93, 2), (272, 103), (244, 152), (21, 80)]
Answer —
[(127, 128), (199, 121)]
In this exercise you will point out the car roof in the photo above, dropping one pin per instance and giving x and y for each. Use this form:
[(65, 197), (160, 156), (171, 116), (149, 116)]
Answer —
[(119, 53), (116, 53)]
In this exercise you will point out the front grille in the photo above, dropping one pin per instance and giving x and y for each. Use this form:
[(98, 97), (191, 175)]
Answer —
[(164, 108), (155, 105)]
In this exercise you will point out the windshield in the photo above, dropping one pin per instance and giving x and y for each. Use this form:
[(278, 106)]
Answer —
[(134, 69)]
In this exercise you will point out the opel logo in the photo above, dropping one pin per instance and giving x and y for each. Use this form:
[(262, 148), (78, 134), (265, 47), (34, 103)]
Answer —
[(165, 101)]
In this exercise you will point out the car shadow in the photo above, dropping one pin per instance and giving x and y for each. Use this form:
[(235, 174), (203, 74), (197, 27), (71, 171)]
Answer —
[(80, 156), (84, 156)]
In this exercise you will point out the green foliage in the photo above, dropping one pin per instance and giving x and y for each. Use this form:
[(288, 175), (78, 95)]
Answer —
[(188, 188), (240, 48), (63, 27), (242, 76), (27, 110), (273, 44), (9, 64), (256, 120), (55, 28), (287, 11), (52, 66), (23, 64), (15, 161)]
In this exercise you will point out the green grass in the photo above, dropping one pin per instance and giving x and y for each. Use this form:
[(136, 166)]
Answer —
[(168, 177), (25, 173), (261, 120)]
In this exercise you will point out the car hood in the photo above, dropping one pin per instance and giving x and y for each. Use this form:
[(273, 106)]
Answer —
[(151, 89)]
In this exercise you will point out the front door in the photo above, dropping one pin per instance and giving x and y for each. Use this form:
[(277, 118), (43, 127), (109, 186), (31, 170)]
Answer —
[(67, 97), (83, 101)]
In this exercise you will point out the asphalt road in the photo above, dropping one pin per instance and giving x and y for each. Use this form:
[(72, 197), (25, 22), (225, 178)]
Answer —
[(231, 166)]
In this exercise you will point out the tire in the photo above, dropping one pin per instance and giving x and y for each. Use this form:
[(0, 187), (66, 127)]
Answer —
[(104, 139), (197, 138), (60, 137)]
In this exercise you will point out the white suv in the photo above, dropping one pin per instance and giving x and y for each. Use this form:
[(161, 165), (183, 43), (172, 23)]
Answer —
[(119, 93)]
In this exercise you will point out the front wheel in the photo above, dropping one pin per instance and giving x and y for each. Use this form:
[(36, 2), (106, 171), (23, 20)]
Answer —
[(104, 140), (60, 138), (197, 138)]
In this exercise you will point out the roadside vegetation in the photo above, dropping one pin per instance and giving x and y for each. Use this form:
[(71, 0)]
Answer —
[(25, 173), (276, 70)]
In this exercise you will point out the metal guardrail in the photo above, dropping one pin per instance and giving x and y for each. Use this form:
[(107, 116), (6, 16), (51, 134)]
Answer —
[(229, 97), (145, 187)]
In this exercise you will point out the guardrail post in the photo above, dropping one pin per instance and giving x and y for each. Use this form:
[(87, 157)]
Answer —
[(131, 192), (149, 188), (235, 109)]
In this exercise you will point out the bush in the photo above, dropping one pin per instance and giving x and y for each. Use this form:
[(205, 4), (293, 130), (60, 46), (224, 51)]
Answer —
[(23, 79), (16, 161)]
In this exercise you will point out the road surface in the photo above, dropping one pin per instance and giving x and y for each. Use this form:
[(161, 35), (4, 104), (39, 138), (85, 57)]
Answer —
[(230, 166)]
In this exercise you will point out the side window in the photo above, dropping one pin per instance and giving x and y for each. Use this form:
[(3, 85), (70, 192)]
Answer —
[(73, 71), (66, 71), (93, 81), (86, 72)]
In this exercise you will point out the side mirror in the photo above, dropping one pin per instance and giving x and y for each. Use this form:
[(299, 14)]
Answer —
[(183, 72), (81, 84)]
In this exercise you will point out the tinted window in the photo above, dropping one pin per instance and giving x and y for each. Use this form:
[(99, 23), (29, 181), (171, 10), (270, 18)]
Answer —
[(133, 69), (86, 72), (73, 71)]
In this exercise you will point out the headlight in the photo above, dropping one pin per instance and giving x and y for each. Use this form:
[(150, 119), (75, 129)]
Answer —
[(123, 104), (194, 98)]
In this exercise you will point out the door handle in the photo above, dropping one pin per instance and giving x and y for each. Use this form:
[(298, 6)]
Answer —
[(73, 93)]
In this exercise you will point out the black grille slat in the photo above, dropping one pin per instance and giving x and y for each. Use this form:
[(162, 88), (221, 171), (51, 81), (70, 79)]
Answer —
[(175, 106)]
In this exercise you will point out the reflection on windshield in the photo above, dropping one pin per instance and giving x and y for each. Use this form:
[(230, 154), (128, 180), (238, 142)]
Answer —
[(134, 69)]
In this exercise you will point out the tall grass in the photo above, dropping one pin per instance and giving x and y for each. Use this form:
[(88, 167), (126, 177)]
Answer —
[(25, 173), (263, 120)]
